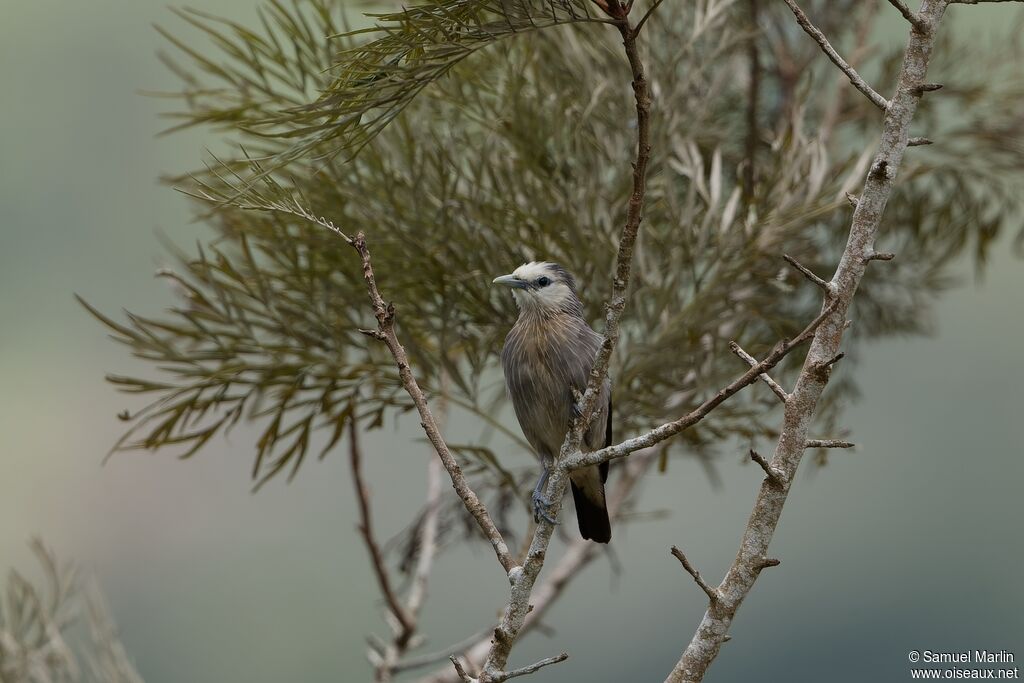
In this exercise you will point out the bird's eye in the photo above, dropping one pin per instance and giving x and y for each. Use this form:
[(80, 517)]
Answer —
[(543, 282)]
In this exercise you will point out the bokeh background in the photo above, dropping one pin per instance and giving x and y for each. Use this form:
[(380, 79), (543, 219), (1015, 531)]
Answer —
[(912, 541)]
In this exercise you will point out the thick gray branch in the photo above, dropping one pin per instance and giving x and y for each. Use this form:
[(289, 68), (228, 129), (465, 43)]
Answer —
[(803, 401)]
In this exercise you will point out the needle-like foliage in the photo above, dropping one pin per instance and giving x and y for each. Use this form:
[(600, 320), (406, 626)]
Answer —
[(467, 167)]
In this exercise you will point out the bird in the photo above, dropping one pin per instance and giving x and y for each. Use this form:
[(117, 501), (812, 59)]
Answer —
[(547, 358)]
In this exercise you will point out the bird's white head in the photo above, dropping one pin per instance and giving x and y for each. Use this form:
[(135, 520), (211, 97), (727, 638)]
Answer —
[(543, 288)]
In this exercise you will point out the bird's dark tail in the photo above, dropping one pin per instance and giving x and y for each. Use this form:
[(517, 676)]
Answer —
[(592, 516)]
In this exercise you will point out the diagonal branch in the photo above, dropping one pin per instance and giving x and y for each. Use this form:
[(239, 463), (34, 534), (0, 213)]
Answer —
[(764, 376), (712, 593), (670, 429), (851, 73), (907, 13), (385, 332)]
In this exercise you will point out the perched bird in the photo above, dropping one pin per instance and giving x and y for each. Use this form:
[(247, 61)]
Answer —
[(547, 359)]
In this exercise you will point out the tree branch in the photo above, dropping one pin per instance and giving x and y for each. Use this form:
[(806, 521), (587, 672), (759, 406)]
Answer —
[(829, 443), (670, 429), (773, 473), (385, 331), (827, 48), (764, 377), (764, 518), (712, 593), (576, 557), (380, 570), (806, 272), (907, 14)]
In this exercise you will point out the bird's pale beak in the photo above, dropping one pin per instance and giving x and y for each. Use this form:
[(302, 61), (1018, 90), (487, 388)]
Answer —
[(511, 281)]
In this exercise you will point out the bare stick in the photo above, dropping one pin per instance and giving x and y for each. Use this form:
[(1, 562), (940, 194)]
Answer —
[(366, 531), (764, 377), (827, 48), (907, 14), (385, 332), (829, 443), (773, 473), (515, 673), (712, 593), (806, 272), (740, 578)]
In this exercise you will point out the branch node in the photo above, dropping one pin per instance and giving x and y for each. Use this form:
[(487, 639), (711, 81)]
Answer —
[(918, 142), (880, 170), (772, 384), (807, 273), (712, 593), (775, 475), (375, 334), (914, 20), (852, 198), (821, 370)]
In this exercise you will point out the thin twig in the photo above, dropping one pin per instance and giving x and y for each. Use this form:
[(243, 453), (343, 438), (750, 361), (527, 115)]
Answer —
[(385, 314), (712, 593), (827, 48), (536, 666), (918, 142), (773, 472), (829, 443), (366, 531), (764, 376), (914, 20), (806, 272)]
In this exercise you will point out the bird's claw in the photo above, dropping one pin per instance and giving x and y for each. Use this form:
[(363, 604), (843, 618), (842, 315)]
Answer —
[(542, 508)]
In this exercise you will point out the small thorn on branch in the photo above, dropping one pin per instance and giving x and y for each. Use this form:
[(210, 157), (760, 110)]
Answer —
[(768, 562), (852, 198), (772, 384), (918, 142), (726, 638), (828, 443), (712, 593), (774, 474), (926, 87), (822, 369), (807, 273), (879, 256)]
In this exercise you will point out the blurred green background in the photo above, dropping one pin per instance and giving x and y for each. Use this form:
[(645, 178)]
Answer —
[(912, 541)]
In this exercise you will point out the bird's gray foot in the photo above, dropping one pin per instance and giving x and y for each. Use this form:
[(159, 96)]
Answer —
[(542, 508), (541, 503)]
